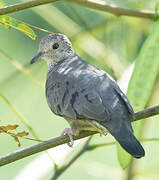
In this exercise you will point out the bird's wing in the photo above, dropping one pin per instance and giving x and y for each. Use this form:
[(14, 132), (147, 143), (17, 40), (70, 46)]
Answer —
[(87, 104), (123, 97)]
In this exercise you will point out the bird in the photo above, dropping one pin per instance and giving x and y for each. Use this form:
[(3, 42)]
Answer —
[(86, 96)]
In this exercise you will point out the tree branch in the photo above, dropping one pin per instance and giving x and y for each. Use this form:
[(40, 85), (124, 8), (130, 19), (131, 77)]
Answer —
[(146, 113), (87, 147), (100, 5), (40, 147), (64, 139), (58, 172)]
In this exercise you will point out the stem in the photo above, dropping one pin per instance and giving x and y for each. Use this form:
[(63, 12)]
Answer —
[(100, 5), (20, 67), (130, 168), (64, 139), (58, 172), (39, 147), (88, 147), (146, 113)]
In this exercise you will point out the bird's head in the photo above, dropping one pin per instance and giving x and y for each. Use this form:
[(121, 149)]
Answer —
[(53, 48)]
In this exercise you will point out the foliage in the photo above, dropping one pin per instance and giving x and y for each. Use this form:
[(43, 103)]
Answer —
[(142, 79), (9, 22), (8, 128), (109, 42)]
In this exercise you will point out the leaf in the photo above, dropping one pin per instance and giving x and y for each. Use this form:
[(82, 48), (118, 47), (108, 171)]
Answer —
[(6, 129), (3, 20), (17, 140), (21, 134), (141, 84), (123, 157), (27, 30), (9, 22)]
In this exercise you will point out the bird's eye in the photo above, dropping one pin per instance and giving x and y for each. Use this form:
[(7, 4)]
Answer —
[(55, 45)]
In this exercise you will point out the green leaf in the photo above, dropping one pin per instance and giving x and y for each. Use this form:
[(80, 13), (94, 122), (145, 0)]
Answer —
[(3, 20), (141, 84), (123, 157), (27, 30), (9, 22)]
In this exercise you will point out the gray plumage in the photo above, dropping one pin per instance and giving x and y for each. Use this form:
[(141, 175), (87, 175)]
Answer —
[(87, 97)]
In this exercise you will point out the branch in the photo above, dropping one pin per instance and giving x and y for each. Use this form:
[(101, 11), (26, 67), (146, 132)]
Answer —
[(87, 147), (58, 172), (40, 147), (146, 113), (64, 139), (100, 5)]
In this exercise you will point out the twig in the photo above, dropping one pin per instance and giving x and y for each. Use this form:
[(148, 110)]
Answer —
[(39, 147), (146, 113), (129, 171), (86, 147), (58, 172), (63, 139), (100, 5), (20, 67), (28, 126)]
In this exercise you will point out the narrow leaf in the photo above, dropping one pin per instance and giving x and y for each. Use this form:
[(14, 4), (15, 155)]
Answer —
[(27, 30), (22, 134), (7, 128), (9, 22), (141, 84)]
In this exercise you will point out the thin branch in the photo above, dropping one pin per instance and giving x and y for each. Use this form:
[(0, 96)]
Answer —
[(63, 139), (19, 115), (39, 148), (86, 147), (28, 126), (129, 171), (24, 5), (20, 67), (99, 5), (146, 113), (58, 172)]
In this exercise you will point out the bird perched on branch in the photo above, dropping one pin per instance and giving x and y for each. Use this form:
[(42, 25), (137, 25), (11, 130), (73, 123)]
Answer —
[(87, 97)]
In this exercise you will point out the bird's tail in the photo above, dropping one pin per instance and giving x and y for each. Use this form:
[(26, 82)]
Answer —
[(128, 141)]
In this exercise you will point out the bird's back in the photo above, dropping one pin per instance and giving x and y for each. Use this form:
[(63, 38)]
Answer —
[(80, 91), (76, 78)]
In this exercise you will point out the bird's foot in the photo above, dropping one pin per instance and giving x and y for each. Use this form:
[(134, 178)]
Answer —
[(68, 131)]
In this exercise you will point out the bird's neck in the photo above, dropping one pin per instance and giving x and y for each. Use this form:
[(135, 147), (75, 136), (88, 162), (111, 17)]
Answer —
[(52, 63)]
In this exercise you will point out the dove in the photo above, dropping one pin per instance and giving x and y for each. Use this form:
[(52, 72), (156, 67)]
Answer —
[(87, 97)]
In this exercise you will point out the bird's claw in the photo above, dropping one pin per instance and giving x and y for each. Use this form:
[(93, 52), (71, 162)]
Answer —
[(68, 131)]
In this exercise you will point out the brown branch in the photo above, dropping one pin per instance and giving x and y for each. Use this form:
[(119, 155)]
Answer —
[(64, 139), (100, 5)]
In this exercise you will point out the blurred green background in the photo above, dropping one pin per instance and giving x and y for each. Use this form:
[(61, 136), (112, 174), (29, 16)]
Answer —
[(110, 43)]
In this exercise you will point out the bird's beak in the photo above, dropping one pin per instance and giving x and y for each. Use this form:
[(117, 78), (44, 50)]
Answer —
[(36, 57)]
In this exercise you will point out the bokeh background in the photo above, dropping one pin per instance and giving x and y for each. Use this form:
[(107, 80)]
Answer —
[(106, 41)]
